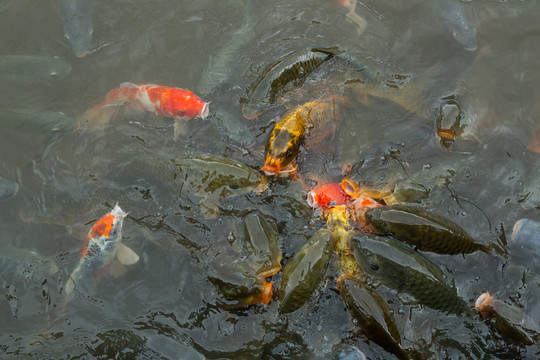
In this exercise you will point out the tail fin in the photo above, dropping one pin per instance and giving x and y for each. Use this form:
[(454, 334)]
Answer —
[(100, 115)]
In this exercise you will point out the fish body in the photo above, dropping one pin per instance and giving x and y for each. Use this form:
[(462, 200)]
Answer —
[(263, 244), (401, 268), (291, 68), (77, 21), (455, 21), (303, 273), (32, 68), (313, 122), (525, 244), (26, 264), (8, 189), (35, 122), (510, 321), (372, 315), (422, 229), (348, 352), (327, 195), (103, 243)]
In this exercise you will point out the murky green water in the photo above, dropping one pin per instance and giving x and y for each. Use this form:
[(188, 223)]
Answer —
[(165, 306)]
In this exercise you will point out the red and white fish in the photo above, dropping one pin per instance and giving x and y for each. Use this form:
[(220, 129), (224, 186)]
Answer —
[(102, 245), (162, 100), (328, 195)]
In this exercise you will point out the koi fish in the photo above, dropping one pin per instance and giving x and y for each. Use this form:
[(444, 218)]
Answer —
[(328, 195), (102, 245), (162, 100), (314, 120)]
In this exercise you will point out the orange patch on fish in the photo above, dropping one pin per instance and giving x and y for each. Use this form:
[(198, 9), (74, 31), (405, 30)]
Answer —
[(267, 293), (327, 195)]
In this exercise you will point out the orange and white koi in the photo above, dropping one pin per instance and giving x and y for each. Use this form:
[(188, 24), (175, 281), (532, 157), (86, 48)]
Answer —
[(162, 100), (327, 195), (102, 245)]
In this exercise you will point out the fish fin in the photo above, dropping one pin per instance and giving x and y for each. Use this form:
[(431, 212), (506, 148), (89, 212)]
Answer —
[(128, 85), (70, 286), (116, 269), (126, 256), (179, 127)]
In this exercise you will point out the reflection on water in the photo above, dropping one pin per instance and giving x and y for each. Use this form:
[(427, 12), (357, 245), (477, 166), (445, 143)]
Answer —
[(440, 96)]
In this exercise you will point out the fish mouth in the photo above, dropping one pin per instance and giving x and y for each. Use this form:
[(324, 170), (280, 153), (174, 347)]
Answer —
[(270, 170), (205, 110), (311, 199)]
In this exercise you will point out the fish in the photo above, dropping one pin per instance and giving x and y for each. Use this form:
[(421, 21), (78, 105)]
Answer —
[(29, 121), (311, 122), (32, 68), (162, 100), (291, 68), (348, 352), (422, 229), (205, 176), (456, 22), (237, 281), (327, 195), (509, 320), (525, 244), (372, 314), (25, 264), (303, 273), (8, 189), (399, 267), (77, 22), (102, 245), (263, 244)]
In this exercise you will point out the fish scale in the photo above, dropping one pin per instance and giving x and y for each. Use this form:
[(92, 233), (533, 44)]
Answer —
[(422, 229), (405, 270)]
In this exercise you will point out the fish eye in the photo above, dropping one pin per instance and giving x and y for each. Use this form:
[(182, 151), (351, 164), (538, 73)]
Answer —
[(112, 233), (289, 153), (374, 266)]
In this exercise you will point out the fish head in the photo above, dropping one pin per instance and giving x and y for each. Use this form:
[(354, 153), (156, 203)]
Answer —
[(369, 260), (464, 34), (281, 151), (106, 232)]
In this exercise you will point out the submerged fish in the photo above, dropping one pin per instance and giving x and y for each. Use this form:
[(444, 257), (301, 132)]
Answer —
[(162, 100), (293, 67), (27, 264), (525, 244), (372, 314), (424, 230), (313, 122), (348, 352), (304, 272), (327, 195), (102, 245), (41, 122), (77, 20), (8, 189), (207, 177), (455, 22), (263, 244), (32, 68), (405, 270), (512, 323)]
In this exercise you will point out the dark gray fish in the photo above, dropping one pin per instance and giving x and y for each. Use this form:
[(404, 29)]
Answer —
[(263, 243), (294, 66), (424, 230), (510, 321), (455, 21), (401, 268), (35, 121), (305, 270), (32, 68), (372, 315), (77, 21), (8, 189), (525, 244), (348, 352), (25, 264)]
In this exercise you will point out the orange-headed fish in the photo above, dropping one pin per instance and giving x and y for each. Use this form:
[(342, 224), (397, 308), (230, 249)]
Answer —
[(328, 195), (162, 100), (102, 245)]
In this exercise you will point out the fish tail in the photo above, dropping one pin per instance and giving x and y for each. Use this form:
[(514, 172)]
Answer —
[(100, 114)]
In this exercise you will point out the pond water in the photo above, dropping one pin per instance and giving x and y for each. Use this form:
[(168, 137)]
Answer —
[(456, 115)]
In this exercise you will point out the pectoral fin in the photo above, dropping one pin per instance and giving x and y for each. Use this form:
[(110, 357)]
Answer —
[(179, 127), (126, 256)]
